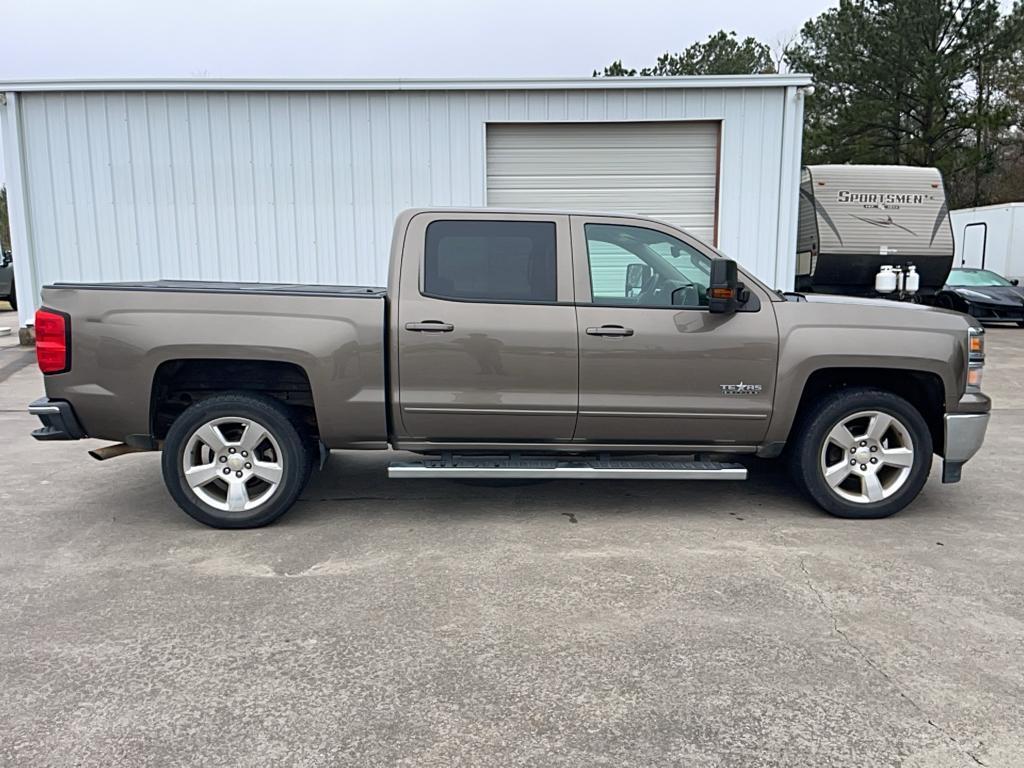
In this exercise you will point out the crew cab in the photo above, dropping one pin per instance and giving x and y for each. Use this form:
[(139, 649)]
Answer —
[(514, 344)]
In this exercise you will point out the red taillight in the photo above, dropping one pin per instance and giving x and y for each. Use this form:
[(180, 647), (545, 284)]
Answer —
[(52, 340)]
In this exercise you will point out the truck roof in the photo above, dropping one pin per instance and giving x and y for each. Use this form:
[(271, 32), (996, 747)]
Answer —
[(542, 211)]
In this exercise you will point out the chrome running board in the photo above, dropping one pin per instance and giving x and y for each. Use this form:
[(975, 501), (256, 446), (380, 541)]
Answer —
[(572, 468)]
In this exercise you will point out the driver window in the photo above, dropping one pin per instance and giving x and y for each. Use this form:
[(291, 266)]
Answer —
[(636, 266)]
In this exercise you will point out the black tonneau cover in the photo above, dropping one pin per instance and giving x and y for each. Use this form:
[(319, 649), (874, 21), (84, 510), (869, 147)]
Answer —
[(213, 286)]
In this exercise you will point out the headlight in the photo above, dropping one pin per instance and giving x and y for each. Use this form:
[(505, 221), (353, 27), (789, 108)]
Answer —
[(975, 358)]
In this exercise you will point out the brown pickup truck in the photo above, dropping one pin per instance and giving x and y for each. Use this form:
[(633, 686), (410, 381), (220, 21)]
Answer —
[(513, 344)]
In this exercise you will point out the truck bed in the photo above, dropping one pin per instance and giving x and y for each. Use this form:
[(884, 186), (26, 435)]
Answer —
[(126, 338)]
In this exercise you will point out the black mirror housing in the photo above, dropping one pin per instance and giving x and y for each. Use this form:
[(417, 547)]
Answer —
[(723, 292)]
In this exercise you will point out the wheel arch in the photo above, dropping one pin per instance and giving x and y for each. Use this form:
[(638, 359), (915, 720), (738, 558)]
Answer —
[(179, 382), (924, 389)]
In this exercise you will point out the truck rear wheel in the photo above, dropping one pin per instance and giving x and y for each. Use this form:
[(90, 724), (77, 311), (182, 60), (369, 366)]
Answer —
[(862, 453), (236, 460)]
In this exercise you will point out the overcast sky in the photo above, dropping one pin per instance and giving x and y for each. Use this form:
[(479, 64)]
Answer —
[(372, 38), (383, 38)]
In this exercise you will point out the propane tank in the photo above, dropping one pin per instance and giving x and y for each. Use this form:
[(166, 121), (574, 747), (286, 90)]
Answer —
[(912, 281), (885, 280)]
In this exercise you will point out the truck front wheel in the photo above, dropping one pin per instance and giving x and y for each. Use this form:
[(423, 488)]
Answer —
[(236, 460), (862, 453)]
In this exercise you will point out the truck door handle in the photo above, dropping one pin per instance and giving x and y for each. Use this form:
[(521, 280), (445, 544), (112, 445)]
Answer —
[(610, 330), (430, 326)]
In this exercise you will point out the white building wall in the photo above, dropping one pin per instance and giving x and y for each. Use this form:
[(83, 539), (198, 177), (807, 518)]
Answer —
[(303, 185)]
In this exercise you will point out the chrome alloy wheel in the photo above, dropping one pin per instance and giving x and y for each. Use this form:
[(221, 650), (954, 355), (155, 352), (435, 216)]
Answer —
[(233, 464), (867, 457)]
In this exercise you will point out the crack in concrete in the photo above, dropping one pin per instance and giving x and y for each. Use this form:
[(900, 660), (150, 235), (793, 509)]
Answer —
[(881, 672)]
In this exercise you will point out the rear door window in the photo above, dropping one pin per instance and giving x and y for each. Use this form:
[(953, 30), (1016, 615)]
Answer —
[(494, 261)]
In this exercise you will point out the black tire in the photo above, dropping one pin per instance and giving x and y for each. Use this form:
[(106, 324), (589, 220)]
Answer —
[(811, 433), (296, 458), (1020, 323)]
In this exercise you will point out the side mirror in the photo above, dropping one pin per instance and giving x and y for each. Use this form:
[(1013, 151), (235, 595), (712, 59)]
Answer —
[(1015, 281), (637, 275), (723, 292)]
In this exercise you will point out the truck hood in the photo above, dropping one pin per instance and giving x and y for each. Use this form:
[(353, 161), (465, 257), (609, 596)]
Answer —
[(884, 307), (825, 298)]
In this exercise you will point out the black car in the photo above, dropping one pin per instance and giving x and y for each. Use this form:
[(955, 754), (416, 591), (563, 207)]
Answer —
[(983, 294)]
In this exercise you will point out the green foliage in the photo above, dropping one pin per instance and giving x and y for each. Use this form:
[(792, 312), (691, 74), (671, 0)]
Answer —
[(721, 54), (911, 82)]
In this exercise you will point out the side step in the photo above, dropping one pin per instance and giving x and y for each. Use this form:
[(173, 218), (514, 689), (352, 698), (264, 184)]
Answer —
[(518, 467)]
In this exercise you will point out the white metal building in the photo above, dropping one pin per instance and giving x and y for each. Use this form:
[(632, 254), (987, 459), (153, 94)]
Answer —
[(299, 180)]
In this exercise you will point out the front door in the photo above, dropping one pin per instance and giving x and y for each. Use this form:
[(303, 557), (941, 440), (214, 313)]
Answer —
[(655, 365), (486, 331)]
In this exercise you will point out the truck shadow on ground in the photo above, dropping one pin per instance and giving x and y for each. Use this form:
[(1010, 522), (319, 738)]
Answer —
[(355, 486)]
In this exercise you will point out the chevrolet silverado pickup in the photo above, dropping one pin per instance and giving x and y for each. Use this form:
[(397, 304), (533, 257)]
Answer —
[(514, 344)]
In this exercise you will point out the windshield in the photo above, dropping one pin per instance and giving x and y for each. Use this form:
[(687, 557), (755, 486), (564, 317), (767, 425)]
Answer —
[(975, 277)]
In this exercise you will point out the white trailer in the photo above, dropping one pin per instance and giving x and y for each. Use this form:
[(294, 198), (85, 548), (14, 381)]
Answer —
[(990, 237)]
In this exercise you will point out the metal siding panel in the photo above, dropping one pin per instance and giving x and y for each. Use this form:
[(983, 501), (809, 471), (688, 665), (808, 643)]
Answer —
[(301, 133), (161, 160), (147, 225), (321, 184), (204, 187), (59, 177), (223, 212), (730, 229), (238, 136), (264, 197), (83, 189), (183, 185)]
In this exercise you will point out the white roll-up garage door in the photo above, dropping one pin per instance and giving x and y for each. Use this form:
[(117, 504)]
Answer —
[(666, 170)]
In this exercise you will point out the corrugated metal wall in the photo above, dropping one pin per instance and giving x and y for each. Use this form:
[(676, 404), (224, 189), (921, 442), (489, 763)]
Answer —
[(303, 186)]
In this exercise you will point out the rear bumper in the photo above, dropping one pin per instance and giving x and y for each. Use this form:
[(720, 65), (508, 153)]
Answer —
[(964, 434), (58, 418)]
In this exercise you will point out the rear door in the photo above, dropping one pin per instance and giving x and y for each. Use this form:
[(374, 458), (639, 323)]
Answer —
[(486, 331), (655, 365), (973, 252)]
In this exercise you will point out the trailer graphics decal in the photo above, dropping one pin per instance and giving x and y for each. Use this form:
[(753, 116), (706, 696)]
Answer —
[(886, 222)]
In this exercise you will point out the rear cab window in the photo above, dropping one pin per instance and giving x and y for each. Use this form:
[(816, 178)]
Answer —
[(491, 261)]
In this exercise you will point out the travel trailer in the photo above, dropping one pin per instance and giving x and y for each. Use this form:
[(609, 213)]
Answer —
[(873, 230), (990, 237)]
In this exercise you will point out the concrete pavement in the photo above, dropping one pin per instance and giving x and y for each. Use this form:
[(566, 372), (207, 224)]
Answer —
[(427, 623)]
